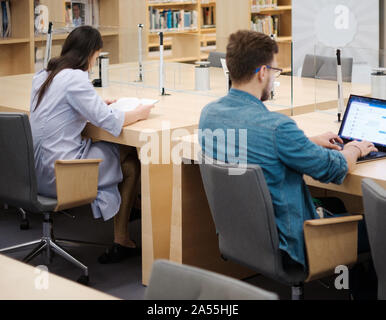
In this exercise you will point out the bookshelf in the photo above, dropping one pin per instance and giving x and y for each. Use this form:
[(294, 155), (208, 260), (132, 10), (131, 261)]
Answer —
[(202, 33), (17, 54), (237, 15)]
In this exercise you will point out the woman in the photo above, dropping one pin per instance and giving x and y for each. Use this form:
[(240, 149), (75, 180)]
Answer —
[(62, 102)]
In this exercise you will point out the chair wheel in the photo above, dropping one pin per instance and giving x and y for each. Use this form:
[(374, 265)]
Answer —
[(24, 225), (84, 280)]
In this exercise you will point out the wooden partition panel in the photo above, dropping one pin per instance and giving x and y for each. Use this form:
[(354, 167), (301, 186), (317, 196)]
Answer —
[(156, 183), (231, 16)]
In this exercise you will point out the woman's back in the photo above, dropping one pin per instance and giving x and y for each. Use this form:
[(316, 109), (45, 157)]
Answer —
[(56, 125), (58, 121)]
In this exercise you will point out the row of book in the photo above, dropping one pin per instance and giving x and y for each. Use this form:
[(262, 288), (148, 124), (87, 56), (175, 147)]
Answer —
[(208, 17), (263, 4), (266, 24), (170, 20), (5, 19)]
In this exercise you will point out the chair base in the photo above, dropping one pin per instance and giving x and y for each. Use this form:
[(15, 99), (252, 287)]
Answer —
[(24, 225), (48, 245), (297, 292)]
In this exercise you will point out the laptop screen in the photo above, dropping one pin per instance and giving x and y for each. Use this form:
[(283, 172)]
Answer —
[(365, 119)]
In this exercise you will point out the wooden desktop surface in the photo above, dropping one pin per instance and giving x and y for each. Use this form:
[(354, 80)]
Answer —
[(19, 281)]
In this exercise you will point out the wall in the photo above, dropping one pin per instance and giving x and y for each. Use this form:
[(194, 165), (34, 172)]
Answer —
[(321, 26)]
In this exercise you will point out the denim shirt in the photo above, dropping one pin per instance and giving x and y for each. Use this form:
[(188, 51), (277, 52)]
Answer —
[(285, 154)]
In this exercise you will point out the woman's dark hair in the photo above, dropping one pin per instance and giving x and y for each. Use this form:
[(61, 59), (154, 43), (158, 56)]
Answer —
[(77, 50)]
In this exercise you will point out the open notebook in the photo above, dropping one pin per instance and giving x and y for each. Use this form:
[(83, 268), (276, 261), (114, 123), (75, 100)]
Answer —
[(129, 104)]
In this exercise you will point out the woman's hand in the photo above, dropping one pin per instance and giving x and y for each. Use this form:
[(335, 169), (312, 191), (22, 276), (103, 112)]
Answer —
[(139, 113), (327, 140), (110, 101), (144, 111)]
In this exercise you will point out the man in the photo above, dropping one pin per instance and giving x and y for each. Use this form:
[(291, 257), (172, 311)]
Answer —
[(77, 19), (273, 140)]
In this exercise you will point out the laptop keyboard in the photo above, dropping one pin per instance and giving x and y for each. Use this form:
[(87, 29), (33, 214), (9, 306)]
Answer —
[(370, 156), (373, 156)]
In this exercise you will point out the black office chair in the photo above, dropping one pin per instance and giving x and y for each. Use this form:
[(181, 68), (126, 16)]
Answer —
[(76, 185), (172, 281), (374, 200), (325, 68), (244, 218)]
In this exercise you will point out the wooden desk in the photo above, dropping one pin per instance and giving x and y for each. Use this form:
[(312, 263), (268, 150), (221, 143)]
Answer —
[(319, 122), (17, 282), (181, 110), (193, 235)]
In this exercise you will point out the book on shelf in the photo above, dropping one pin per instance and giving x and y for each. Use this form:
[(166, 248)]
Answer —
[(208, 14), (5, 19), (257, 5), (172, 20), (266, 24), (95, 12)]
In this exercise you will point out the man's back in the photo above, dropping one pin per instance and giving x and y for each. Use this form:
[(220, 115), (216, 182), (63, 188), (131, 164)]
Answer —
[(248, 132)]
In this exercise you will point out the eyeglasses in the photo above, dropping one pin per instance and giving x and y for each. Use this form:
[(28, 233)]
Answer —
[(277, 71)]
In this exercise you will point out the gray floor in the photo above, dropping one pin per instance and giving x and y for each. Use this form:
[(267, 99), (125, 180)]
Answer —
[(121, 280)]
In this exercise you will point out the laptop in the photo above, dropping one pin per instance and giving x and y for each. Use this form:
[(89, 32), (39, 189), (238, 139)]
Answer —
[(365, 119)]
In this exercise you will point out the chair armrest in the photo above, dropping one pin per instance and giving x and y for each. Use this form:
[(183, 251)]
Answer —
[(331, 221), (330, 243), (76, 182)]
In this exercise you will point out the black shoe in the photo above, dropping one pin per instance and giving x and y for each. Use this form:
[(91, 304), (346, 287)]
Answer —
[(117, 253)]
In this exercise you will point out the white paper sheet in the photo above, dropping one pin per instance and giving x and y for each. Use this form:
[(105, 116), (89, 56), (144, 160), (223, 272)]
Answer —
[(129, 104)]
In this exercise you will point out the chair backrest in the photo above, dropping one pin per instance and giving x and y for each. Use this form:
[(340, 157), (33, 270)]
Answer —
[(325, 68), (215, 59), (18, 186), (171, 281), (243, 214), (374, 200)]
